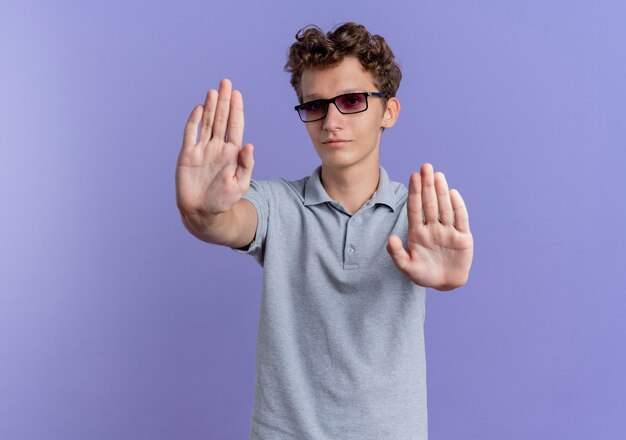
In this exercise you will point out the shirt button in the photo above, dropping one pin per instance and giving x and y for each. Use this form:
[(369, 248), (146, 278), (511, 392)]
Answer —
[(350, 249)]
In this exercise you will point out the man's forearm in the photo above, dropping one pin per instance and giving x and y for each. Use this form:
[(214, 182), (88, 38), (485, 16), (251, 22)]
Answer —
[(234, 228), (210, 228)]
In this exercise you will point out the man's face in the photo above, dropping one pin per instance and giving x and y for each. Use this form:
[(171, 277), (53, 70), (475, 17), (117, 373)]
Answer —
[(358, 134)]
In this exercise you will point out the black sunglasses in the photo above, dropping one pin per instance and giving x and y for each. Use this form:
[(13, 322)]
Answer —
[(348, 103)]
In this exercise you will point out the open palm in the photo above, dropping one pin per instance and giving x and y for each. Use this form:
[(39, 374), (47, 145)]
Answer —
[(439, 243), (213, 173)]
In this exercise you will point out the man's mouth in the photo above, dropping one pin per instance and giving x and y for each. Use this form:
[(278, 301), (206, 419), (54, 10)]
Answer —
[(336, 142)]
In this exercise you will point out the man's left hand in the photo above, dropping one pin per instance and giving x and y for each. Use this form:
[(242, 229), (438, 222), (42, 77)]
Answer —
[(440, 244)]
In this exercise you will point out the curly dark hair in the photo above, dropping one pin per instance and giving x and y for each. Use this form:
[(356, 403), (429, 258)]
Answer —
[(314, 50)]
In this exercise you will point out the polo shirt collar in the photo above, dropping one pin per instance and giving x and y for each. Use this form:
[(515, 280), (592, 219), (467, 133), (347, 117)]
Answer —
[(385, 193), (314, 192)]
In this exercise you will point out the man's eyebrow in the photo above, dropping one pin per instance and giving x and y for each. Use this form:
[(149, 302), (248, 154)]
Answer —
[(317, 96)]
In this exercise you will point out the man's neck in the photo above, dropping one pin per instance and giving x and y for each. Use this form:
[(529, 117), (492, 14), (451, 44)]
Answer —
[(352, 187)]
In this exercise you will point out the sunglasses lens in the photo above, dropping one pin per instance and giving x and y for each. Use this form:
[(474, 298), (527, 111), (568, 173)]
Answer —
[(352, 103), (312, 110)]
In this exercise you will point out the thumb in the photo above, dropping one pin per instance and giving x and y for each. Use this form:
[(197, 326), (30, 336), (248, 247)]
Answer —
[(399, 256), (246, 164)]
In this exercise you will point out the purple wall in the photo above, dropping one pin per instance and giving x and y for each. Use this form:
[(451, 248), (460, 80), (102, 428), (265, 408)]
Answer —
[(115, 323)]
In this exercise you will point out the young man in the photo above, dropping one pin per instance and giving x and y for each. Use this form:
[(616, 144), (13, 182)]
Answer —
[(347, 253)]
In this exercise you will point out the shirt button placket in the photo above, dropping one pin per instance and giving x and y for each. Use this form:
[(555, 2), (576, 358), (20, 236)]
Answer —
[(350, 259)]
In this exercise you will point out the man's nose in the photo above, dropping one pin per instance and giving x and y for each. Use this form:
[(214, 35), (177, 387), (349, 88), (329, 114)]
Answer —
[(334, 118)]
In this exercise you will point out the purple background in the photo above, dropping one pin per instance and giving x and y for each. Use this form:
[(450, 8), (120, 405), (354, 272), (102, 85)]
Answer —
[(116, 323)]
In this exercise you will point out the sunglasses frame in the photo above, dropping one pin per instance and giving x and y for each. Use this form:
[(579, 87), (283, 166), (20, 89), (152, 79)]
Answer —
[(329, 101)]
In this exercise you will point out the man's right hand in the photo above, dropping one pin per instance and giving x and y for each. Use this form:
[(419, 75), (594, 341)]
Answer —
[(213, 173)]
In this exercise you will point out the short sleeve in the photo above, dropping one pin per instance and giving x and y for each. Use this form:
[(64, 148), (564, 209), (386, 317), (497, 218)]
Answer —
[(257, 195)]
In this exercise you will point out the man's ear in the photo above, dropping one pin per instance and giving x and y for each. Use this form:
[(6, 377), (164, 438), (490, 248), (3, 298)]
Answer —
[(392, 110)]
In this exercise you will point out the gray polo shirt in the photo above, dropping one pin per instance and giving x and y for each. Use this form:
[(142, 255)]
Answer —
[(340, 346)]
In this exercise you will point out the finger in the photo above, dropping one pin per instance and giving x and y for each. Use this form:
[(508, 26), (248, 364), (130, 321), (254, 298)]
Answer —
[(235, 119), (191, 127), (461, 218), (399, 256), (246, 164), (221, 112), (446, 214), (209, 114), (429, 196), (414, 202)]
